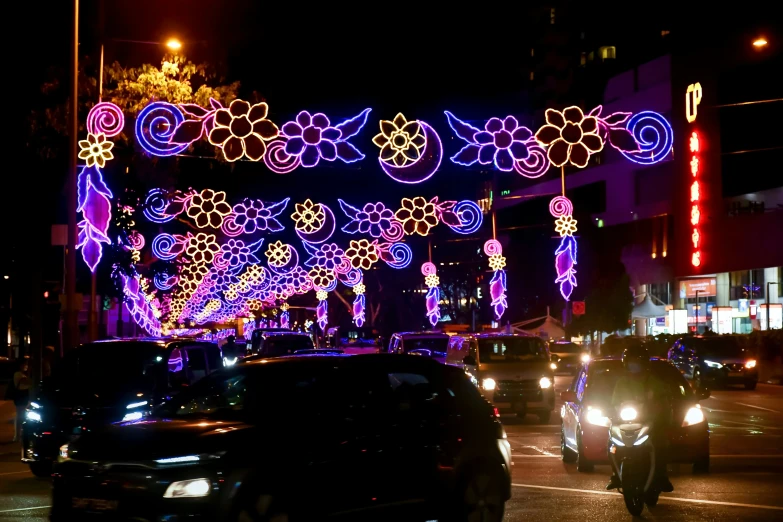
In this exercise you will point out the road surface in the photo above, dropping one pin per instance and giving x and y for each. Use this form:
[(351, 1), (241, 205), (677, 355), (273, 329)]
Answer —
[(744, 483)]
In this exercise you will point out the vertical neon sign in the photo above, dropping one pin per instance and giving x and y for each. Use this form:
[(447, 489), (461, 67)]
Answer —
[(693, 97)]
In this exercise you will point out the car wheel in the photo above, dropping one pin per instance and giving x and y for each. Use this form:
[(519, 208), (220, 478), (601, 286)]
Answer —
[(697, 383), (482, 496), (750, 385), (41, 469), (544, 417), (262, 507), (702, 465), (582, 464), (566, 453)]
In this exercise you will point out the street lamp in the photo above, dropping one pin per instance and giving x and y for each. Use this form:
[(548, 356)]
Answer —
[(174, 44), (767, 299), (758, 43)]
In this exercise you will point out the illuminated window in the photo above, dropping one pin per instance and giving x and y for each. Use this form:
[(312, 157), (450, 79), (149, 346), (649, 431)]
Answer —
[(552, 16), (583, 59), (591, 57), (664, 32), (532, 52), (607, 53), (532, 75)]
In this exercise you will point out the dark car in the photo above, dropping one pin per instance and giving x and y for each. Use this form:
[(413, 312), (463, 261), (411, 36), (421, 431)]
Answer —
[(586, 414), (109, 381), (568, 357), (278, 344), (428, 344), (256, 338), (298, 438), (718, 360)]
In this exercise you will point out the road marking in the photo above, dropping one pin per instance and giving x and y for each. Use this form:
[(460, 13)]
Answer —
[(749, 424), (550, 456), (24, 509), (677, 499), (757, 407), (15, 472), (746, 456)]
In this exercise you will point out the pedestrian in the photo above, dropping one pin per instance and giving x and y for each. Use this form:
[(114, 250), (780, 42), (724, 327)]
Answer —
[(19, 392), (47, 361)]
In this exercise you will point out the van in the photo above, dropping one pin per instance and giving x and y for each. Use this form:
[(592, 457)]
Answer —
[(513, 371)]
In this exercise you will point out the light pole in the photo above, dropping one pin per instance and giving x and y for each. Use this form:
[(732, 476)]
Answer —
[(766, 298), (696, 309), (71, 313)]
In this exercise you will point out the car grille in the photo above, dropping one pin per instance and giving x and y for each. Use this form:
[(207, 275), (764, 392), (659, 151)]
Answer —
[(735, 367), (518, 386)]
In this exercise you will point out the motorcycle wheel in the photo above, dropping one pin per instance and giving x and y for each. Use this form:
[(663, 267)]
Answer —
[(651, 498), (634, 503)]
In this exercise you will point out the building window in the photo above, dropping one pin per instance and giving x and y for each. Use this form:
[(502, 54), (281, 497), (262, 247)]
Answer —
[(532, 52), (746, 284), (552, 16), (532, 75), (607, 53), (583, 59), (591, 56), (664, 32)]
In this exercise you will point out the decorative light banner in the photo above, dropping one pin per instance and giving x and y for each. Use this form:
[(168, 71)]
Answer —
[(359, 304), (565, 256), (433, 293), (322, 310), (285, 316), (497, 286)]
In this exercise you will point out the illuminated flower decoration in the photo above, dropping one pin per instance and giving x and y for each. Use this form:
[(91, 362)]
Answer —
[(401, 141), (311, 138), (278, 254), (253, 215), (321, 295), (254, 305), (373, 219), (321, 277), (236, 254), (362, 254), (497, 262), (202, 248), (222, 278), (299, 280), (279, 288), (359, 289), (565, 225), (95, 150), (571, 137), (231, 293), (502, 142), (255, 273), (431, 280), (309, 216), (329, 256), (417, 216), (242, 129), (208, 208)]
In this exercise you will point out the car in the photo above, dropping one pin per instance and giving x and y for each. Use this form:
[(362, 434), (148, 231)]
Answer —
[(428, 343), (107, 381), (319, 351), (276, 344), (302, 438), (512, 370), (568, 357), (715, 360), (256, 337), (585, 414), (354, 340)]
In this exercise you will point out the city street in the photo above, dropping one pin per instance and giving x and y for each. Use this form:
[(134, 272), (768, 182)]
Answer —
[(744, 483)]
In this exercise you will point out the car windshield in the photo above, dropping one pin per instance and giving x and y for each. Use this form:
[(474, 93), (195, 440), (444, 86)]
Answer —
[(565, 348), (603, 377), (511, 349), (425, 345), (275, 345), (111, 365), (721, 347)]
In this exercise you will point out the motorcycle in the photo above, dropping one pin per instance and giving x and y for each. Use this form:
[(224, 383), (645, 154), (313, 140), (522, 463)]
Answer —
[(633, 457)]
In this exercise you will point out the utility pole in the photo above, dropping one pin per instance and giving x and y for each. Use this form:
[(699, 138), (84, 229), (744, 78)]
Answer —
[(71, 311)]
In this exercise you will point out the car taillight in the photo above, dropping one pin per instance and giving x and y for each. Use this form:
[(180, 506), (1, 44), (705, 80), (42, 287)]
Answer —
[(496, 412)]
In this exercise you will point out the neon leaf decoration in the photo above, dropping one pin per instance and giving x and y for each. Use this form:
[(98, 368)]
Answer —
[(497, 286), (373, 219), (93, 202), (253, 215), (433, 293), (565, 256)]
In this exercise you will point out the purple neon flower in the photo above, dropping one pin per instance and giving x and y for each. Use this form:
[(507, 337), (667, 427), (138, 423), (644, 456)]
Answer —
[(328, 256), (299, 280), (503, 141), (235, 252), (251, 216), (221, 279), (374, 218), (311, 138)]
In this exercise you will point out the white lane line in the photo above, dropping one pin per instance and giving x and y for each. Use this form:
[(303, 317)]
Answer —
[(756, 407), (550, 456), (677, 499), (16, 472), (746, 456), (749, 424), (24, 509)]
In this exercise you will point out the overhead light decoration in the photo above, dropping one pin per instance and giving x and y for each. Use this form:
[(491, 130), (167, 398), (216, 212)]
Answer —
[(432, 281), (497, 286), (359, 304)]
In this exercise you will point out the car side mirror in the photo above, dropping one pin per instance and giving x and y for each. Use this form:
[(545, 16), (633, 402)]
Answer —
[(568, 396), (469, 360), (703, 393)]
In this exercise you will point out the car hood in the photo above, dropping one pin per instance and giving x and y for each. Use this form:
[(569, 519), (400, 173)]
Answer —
[(94, 397), (726, 360), (157, 439), (567, 356), (516, 371)]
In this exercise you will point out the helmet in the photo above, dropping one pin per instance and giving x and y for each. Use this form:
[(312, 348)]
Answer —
[(231, 338), (635, 358)]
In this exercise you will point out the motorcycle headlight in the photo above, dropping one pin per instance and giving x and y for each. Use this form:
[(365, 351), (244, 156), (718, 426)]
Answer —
[(63, 453), (488, 384), (553, 366), (545, 382), (585, 358), (750, 364), (628, 414), (713, 364), (693, 416), (597, 418), (33, 416), (188, 488)]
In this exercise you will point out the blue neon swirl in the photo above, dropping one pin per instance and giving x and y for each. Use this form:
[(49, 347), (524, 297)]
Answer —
[(470, 215), (155, 125), (654, 135)]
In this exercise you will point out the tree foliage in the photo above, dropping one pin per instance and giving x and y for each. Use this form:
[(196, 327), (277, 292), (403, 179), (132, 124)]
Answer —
[(608, 305)]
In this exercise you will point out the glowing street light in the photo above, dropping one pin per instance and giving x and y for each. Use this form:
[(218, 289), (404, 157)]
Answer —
[(758, 43), (174, 44)]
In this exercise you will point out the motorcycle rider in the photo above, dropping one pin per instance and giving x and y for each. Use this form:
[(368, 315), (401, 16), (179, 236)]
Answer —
[(640, 385)]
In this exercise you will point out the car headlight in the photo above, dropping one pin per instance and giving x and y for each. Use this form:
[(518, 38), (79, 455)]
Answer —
[(133, 416), (134, 405), (545, 382), (34, 405), (628, 414), (750, 364), (488, 384), (63, 453), (553, 366), (596, 417), (585, 358), (33, 416), (192, 488), (713, 364), (693, 416)]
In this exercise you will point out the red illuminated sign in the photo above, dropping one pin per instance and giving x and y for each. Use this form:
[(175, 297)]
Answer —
[(692, 99)]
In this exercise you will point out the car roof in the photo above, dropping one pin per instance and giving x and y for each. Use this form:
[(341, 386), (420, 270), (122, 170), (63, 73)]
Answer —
[(286, 334), (368, 361), (497, 335), (426, 333)]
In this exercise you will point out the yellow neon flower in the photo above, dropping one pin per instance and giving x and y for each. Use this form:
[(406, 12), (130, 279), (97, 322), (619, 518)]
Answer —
[(95, 150), (497, 261), (417, 216), (278, 254), (309, 216), (565, 225), (431, 281), (208, 208), (362, 254), (321, 295), (401, 141), (359, 288)]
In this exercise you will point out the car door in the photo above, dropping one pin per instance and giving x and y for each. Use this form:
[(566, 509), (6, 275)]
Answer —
[(689, 358), (572, 409)]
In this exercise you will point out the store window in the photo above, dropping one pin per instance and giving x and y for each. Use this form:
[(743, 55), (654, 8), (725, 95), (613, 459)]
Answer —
[(608, 53), (746, 284)]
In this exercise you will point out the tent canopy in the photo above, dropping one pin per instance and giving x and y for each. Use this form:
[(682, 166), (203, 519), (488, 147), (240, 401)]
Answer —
[(546, 327), (647, 310)]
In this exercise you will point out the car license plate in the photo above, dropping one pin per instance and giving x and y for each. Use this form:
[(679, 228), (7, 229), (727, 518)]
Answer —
[(94, 504), (735, 374)]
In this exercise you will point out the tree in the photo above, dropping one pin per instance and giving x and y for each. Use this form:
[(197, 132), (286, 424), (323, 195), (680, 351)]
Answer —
[(608, 305)]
